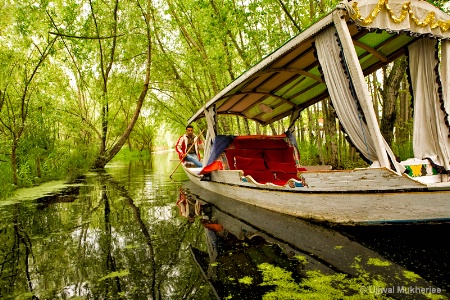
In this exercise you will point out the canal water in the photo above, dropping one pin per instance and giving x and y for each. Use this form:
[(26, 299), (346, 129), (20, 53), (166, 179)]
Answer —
[(131, 232)]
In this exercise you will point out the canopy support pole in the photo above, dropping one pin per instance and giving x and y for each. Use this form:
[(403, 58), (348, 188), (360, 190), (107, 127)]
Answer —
[(211, 121)]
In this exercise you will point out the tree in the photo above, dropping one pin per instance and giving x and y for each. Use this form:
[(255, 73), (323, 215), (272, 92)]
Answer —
[(106, 35), (389, 94), (106, 155), (21, 86)]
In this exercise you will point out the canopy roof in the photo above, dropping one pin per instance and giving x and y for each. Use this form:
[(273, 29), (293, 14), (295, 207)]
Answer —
[(289, 79)]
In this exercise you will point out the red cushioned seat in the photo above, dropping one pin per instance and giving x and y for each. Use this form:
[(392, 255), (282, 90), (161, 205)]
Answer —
[(258, 143), (282, 167), (249, 153), (279, 155), (244, 163), (260, 176)]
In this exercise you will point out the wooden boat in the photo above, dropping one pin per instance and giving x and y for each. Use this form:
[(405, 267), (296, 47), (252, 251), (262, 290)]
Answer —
[(330, 59)]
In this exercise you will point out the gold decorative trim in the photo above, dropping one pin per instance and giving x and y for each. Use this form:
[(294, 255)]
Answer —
[(430, 19)]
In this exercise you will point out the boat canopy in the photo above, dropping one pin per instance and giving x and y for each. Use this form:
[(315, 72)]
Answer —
[(331, 59)]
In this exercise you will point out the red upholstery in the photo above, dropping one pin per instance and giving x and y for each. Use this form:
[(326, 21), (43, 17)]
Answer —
[(280, 155), (244, 163), (249, 153), (279, 182), (281, 167), (265, 159), (256, 143), (260, 176), (286, 175)]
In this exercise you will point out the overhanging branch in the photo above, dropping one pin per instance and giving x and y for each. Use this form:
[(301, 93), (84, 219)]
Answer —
[(85, 37)]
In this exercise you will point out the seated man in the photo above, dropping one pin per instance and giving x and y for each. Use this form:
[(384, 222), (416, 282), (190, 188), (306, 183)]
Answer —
[(188, 146)]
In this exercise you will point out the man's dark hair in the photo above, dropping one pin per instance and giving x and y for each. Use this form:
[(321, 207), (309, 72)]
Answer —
[(189, 126)]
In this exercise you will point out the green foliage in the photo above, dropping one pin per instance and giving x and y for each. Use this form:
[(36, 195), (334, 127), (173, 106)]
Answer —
[(25, 175), (350, 163), (309, 153), (68, 163), (316, 285), (403, 150), (442, 4), (411, 276), (6, 186), (127, 154), (63, 162)]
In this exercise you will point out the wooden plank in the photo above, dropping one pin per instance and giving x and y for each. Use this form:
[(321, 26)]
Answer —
[(360, 180)]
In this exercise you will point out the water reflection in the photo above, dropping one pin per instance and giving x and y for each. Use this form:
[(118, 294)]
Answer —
[(281, 257), (231, 264), (114, 235)]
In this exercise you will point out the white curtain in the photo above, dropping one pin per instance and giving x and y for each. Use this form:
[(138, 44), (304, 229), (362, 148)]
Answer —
[(430, 132), (339, 89), (445, 76)]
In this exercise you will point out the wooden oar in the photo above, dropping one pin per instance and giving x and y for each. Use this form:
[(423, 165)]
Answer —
[(187, 151)]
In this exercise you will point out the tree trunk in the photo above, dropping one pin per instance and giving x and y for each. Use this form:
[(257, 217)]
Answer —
[(104, 132), (301, 129), (238, 125), (318, 131), (272, 127), (14, 161), (258, 128), (105, 157), (389, 94), (329, 126), (246, 127), (102, 160), (311, 126)]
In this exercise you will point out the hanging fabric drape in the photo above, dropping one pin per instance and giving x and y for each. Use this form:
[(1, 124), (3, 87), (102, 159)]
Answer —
[(338, 83), (445, 79), (345, 101), (430, 138)]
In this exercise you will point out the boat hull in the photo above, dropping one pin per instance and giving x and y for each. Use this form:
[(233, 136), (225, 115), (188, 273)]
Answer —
[(355, 204)]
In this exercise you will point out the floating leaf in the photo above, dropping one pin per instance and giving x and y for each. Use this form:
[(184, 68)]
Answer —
[(302, 259), (378, 262), (246, 280), (411, 276)]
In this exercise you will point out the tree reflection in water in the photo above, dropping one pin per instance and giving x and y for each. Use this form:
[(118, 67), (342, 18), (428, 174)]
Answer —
[(117, 235), (231, 263)]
